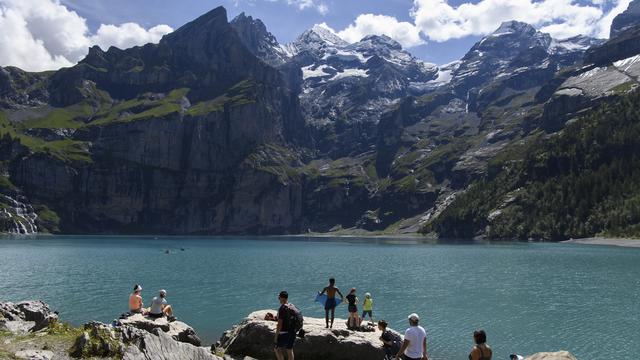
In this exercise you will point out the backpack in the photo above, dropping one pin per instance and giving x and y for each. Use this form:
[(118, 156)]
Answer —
[(295, 319)]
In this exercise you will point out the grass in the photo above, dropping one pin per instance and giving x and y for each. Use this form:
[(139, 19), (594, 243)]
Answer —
[(129, 110), (624, 88), (242, 93), (64, 118)]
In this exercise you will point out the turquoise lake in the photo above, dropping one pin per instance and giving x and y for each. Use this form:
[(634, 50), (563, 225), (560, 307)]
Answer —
[(528, 297)]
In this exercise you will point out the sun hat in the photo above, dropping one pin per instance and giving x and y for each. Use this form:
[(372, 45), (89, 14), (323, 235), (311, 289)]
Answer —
[(137, 288), (163, 292), (367, 295), (414, 317)]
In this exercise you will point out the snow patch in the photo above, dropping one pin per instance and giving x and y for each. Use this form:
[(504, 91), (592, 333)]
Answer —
[(309, 72), (627, 63), (349, 73)]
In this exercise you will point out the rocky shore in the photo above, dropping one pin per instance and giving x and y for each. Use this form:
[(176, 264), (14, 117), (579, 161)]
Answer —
[(31, 330), (633, 243)]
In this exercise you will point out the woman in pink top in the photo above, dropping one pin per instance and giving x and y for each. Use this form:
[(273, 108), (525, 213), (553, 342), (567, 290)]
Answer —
[(135, 300)]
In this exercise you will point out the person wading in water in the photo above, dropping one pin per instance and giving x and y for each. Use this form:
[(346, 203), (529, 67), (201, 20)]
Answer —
[(330, 305)]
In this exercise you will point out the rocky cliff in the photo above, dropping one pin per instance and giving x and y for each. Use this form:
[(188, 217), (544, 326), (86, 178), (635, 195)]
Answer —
[(219, 129)]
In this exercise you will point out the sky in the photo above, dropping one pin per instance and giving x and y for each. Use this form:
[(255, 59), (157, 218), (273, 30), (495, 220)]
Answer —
[(39, 35)]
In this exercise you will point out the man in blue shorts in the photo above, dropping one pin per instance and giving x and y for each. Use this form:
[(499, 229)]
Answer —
[(330, 305), (285, 333)]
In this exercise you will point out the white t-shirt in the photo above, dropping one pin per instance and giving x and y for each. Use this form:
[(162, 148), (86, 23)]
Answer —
[(416, 336)]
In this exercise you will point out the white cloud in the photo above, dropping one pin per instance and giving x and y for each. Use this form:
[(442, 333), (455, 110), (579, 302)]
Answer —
[(440, 21), (405, 33), (321, 7), (127, 35), (38, 35)]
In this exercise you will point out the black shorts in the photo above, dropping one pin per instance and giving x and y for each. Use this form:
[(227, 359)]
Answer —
[(155, 316), (353, 309), (285, 341)]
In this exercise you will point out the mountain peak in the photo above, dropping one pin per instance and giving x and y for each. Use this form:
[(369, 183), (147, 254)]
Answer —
[(213, 20), (321, 32), (627, 19), (383, 40), (258, 39), (512, 27)]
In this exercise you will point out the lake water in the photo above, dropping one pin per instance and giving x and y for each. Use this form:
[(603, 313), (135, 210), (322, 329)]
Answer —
[(528, 297)]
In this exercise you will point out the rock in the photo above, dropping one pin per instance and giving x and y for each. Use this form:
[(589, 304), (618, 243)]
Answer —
[(178, 330), (560, 355), (26, 316), (627, 19), (147, 346), (253, 337), (98, 340), (34, 355), (38, 312)]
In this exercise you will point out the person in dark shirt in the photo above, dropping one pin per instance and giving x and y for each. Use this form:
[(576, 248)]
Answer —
[(354, 318), (285, 334), (391, 341)]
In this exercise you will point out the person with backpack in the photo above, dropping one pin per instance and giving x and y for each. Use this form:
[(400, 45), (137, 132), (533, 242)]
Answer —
[(391, 341), (289, 324)]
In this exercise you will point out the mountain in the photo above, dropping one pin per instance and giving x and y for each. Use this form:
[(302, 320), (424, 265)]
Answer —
[(161, 138), (343, 87), (259, 40), (627, 19), (220, 129)]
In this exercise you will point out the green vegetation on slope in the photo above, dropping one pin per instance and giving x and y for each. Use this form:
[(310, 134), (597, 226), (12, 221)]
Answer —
[(581, 182), (240, 94)]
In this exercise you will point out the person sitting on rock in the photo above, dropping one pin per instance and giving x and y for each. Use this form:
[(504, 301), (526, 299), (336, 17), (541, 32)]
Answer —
[(480, 351), (414, 346), (135, 300), (285, 333), (390, 340), (160, 307), (330, 304), (354, 320), (367, 307)]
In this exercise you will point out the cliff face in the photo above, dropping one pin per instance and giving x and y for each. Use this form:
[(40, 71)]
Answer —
[(160, 138)]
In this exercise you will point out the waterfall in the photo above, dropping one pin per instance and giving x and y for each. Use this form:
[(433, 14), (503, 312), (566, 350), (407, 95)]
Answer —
[(21, 216)]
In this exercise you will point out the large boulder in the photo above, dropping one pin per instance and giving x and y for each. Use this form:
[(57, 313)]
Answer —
[(26, 316), (161, 346), (560, 355), (253, 337), (177, 330)]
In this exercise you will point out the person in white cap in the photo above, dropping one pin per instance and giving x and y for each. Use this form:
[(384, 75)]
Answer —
[(414, 346), (160, 307), (135, 300)]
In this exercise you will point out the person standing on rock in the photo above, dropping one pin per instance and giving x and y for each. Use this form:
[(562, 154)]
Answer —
[(354, 320), (414, 346), (135, 300), (330, 305), (285, 333), (160, 307), (367, 307)]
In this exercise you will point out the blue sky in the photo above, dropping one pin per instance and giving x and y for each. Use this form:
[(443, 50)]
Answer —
[(48, 34), (284, 18)]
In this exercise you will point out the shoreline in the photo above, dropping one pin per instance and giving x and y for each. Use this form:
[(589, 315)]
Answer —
[(604, 241)]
